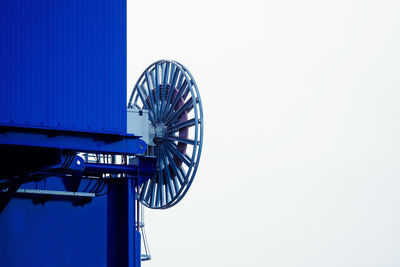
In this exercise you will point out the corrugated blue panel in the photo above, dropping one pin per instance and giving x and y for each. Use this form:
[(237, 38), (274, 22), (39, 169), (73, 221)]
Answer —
[(63, 64)]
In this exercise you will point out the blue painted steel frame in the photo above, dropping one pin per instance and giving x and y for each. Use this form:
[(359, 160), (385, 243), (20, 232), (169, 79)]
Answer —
[(63, 71), (72, 141), (56, 233)]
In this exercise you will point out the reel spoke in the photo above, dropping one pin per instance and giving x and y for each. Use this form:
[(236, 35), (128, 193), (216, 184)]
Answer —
[(143, 99), (168, 188), (175, 168), (179, 126), (167, 176), (175, 180), (160, 183), (171, 92), (177, 99), (182, 140), (157, 75), (183, 157), (165, 86), (150, 95), (188, 106)]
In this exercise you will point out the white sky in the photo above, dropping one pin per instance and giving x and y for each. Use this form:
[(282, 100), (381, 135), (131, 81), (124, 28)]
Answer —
[(301, 161)]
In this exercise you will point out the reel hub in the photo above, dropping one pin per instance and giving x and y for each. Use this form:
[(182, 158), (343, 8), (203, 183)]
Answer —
[(160, 131)]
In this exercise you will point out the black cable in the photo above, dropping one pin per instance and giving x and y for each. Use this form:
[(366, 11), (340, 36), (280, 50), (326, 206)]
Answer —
[(100, 190), (95, 186), (87, 186), (105, 193)]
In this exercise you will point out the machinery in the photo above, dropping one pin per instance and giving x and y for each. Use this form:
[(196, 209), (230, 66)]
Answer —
[(172, 126), (77, 163)]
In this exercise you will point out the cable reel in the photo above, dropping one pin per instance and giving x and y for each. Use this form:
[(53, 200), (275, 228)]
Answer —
[(168, 94)]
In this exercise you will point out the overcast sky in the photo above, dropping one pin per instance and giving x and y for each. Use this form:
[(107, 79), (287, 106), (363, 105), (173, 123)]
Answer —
[(301, 163)]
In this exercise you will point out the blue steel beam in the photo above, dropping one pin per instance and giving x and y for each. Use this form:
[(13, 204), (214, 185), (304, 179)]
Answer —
[(96, 143)]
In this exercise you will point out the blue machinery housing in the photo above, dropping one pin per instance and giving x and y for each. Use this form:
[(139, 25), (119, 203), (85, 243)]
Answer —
[(69, 168), (76, 164)]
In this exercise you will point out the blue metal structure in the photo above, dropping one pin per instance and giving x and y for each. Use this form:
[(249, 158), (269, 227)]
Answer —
[(71, 175), (63, 91)]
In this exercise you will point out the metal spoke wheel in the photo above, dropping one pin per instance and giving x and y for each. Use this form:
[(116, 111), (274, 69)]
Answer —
[(170, 94)]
